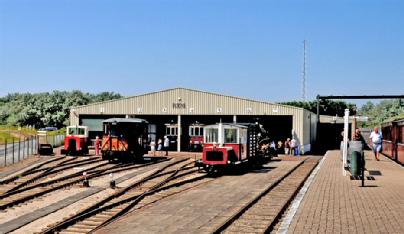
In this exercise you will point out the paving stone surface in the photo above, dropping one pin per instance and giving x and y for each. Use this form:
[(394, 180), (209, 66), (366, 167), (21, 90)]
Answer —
[(200, 209), (336, 204)]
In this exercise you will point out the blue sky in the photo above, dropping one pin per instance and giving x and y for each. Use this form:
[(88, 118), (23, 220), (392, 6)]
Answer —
[(245, 48)]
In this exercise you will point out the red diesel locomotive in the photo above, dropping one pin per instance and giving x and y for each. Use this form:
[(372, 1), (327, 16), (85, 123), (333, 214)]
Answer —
[(76, 141), (393, 140), (232, 144)]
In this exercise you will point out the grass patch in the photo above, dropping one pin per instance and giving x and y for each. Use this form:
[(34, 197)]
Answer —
[(57, 132), (8, 133), (6, 136)]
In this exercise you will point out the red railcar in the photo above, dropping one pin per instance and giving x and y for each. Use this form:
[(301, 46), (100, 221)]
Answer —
[(76, 141), (196, 137), (393, 140), (232, 144)]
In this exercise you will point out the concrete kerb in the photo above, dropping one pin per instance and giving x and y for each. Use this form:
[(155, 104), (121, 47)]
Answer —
[(283, 229)]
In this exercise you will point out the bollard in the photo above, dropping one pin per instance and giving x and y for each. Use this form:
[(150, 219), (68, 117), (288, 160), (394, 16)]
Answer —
[(86, 183), (112, 183)]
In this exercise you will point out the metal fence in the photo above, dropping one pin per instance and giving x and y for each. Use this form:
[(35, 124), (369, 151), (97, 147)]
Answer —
[(17, 150)]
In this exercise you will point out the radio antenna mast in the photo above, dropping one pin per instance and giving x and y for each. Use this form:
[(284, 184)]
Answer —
[(304, 97)]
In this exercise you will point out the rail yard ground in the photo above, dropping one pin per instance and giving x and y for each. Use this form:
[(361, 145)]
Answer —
[(169, 195)]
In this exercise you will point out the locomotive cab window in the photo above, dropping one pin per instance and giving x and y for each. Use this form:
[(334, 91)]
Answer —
[(80, 131), (230, 135), (212, 135), (243, 136), (76, 131)]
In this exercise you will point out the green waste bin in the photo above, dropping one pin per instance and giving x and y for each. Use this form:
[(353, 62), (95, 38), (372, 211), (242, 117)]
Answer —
[(356, 163), (353, 146)]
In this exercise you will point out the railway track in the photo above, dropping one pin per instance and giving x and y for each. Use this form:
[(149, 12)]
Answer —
[(27, 178), (168, 180), (264, 211), (37, 189), (39, 167)]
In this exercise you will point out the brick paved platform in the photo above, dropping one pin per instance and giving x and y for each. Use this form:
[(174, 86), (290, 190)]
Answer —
[(335, 204)]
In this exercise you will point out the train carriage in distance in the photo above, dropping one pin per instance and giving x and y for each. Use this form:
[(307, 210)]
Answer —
[(76, 140), (196, 137), (124, 138), (231, 144), (393, 140), (172, 135)]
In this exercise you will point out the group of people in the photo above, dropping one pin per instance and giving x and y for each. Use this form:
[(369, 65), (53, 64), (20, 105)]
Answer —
[(288, 147), (161, 146)]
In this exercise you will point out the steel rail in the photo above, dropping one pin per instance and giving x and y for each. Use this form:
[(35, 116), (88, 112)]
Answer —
[(99, 206), (244, 208), (97, 173), (53, 170), (31, 170)]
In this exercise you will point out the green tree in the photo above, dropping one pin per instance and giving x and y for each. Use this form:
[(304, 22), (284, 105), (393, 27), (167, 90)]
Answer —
[(45, 109), (327, 107), (381, 112)]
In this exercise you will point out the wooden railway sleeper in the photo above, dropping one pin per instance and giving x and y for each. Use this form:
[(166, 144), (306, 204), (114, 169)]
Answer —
[(100, 206)]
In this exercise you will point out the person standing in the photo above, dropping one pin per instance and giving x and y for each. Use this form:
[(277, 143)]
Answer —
[(160, 146), (280, 144), (153, 147), (287, 146), (166, 144), (293, 146), (376, 143), (358, 137)]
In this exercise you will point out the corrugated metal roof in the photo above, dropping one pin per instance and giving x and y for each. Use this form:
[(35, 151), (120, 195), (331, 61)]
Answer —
[(185, 89)]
